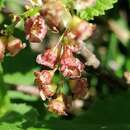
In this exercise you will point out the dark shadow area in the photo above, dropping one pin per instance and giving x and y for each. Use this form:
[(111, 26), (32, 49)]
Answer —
[(15, 64)]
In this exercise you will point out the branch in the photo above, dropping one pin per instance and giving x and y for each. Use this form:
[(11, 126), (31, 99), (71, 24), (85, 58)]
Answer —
[(109, 78), (91, 59), (106, 75)]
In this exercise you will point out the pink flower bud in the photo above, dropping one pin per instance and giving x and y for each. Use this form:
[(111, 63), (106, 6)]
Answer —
[(70, 66), (80, 29), (48, 58), (2, 47), (79, 87), (72, 44), (57, 105), (35, 29), (44, 77), (14, 45)]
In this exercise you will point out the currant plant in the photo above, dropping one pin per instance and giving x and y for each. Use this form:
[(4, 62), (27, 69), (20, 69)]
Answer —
[(67, 56)]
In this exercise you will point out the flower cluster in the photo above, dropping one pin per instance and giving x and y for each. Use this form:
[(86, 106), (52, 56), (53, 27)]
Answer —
[(61, 59)]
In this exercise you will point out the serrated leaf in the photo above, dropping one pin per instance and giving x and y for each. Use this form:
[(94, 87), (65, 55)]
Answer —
[(99, 9)]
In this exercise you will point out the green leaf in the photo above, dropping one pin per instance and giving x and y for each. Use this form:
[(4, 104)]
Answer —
[(20, 117), (20, 69), (68, 3), (99, 9), (19, 78), (9, 126), (19, 95)]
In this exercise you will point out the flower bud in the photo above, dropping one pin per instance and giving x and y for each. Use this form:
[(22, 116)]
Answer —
[(79, 87), (35, 29), (56, 15), (47, 91), (72, 44), (57, 105), (48, 58), (14, 45), (44, 77), (80, 29), (2, 47), (70, 66)]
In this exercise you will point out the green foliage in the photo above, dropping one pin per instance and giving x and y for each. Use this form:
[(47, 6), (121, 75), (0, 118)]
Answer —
[(1, 3), (110, 113), (68, 3), (17, 71), (20, 117), (97, 10)]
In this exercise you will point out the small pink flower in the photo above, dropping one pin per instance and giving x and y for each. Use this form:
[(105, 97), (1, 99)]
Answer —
[(48, 58), (57, 106), (14, 45), (84, 30), (44, 77), (35, 29), (70, 66), (80, 29)]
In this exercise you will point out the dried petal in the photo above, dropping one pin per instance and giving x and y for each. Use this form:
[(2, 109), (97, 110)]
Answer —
[(35, 29)]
